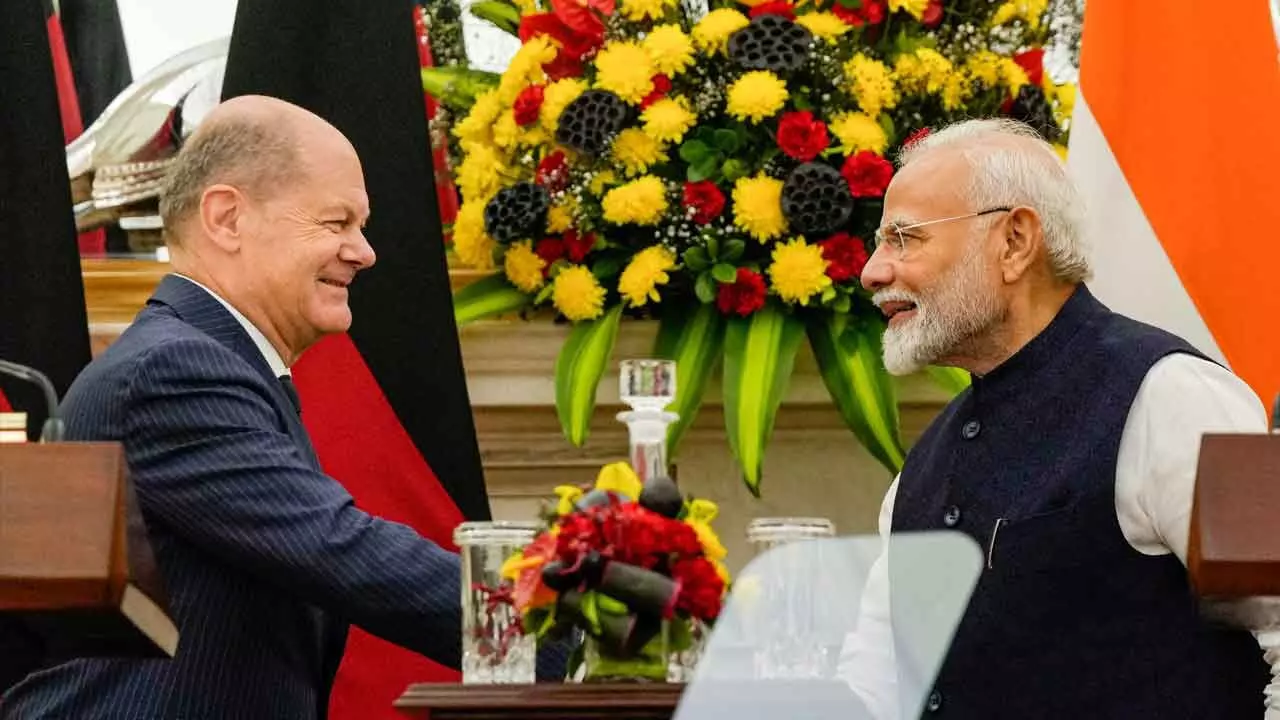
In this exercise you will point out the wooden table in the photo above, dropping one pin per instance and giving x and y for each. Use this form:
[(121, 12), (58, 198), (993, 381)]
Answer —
[(622, 701)]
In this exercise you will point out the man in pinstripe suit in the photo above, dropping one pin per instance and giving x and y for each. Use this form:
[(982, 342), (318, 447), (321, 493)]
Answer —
[(266, 559)]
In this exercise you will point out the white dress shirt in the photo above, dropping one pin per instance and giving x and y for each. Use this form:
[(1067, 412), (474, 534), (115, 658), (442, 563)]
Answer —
[(1181, 398), (259, 340)]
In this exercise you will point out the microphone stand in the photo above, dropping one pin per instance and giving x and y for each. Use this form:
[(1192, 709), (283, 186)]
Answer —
[(53, 429)]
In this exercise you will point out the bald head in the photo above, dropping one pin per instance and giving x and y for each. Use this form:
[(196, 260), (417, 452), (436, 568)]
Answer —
[(1005, 163), (252, 143)]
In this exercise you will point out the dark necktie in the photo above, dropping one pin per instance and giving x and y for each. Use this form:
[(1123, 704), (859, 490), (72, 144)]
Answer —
[(291, 390)]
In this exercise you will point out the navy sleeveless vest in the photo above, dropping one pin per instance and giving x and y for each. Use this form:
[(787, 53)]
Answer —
[(1067, 620)]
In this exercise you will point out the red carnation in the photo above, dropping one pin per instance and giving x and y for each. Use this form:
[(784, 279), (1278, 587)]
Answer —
[(553, 172), (775, 7), (705, 199), (527, 105), (1032, 62), (845, 255), (701, 589), (801, 136), (871, 12), (573, 45), (867, 173), (932, 16), (743, 296), (661, 86), (577, 246), (550, 250)]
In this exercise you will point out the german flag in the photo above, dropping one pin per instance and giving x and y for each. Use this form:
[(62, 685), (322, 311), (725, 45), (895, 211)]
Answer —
[(386, 404), (1173, 145)]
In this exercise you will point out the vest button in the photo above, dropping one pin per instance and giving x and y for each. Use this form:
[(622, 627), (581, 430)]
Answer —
[(971, 430), (951, 517), (935, 702)]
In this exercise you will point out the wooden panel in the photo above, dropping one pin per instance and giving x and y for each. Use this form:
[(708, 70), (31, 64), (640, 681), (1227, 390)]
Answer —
[(535, 702), (1234, 549)]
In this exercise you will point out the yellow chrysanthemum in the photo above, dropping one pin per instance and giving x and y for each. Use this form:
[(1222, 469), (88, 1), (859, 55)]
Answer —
[(956, 91), (525, 68), (601, 181), (527, 7), (668, 119), (505, 131), (1012, 75), (798, 271), (670, 49), (555, 98), (857, 132), (1065, 96), (472, 244), (1061, 150), (577, 294), (623, 68), (1030, 11), (477, 126), (712, 32), (646, 271), (641, 202), (701, 513), (915, 7), (637, 10), (984, 66), (636, 151), (924, 71), (523, 266), (825, 25), (479, 175), (756, 95), (560, 217), (757, 207), (871, 84)]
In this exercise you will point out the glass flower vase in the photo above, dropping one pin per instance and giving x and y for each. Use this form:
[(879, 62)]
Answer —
[(495, 647), (649, 664)]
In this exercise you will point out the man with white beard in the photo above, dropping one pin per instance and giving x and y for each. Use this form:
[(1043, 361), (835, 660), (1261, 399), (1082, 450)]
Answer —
[(1070, 460)]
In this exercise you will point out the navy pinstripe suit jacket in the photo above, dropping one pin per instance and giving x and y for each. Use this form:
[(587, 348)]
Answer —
[(265, 558)]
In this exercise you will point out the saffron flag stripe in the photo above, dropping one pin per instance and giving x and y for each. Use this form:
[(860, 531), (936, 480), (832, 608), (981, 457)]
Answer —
[(1162, 89)]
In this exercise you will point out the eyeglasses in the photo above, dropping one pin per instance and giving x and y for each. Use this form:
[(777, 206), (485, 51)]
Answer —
[(897, 236)]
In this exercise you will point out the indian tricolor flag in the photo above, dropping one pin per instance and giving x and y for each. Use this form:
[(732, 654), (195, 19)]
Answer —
[(1175, 142)]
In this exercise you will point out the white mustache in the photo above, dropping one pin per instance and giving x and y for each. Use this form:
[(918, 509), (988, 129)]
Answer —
[(889, 295)]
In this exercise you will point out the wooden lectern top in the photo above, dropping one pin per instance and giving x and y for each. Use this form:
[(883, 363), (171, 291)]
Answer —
[(1234, 546)]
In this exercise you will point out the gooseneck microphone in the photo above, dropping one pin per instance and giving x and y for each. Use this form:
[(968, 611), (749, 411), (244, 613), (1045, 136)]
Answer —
[(53, 428)]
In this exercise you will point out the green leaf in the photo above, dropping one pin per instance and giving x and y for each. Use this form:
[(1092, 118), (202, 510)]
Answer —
[(694, 340), (492, 295), (606, 267), (696, 258), (456, 86), (725, 273), (851, 4), (953, 380), (733, 169), (713, 245), (502, 14), (581, 363), (705, 289), (828, 293), (802, 102), (693, 151), (848, 356), (704, 169), (842, 304), (726, 141), (759, 354), (696, 173), (544, 293), (886, 124), (733, 249)]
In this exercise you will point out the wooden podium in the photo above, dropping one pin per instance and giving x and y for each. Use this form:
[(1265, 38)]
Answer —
[(76, 567), (1234, 548)]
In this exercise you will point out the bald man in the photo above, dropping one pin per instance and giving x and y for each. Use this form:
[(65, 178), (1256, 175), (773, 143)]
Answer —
[(265, 558)]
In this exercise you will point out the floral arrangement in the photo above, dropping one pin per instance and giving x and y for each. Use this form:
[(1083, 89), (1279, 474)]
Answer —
[(721, 170), (630, 565)]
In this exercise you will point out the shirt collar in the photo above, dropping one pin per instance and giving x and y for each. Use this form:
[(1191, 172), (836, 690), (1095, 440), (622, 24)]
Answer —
[(259, 340)]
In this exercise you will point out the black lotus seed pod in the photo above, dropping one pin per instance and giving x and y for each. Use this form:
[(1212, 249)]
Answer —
[(589, 122), (770, 42), (1032, 108), (662, 495), (816, 199), (517, 212)]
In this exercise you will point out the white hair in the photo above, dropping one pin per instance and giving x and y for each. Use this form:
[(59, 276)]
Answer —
[(1028, 173)]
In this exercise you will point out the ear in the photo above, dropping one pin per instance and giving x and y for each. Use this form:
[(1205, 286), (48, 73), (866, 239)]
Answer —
[(1023, 238), (223, 216)]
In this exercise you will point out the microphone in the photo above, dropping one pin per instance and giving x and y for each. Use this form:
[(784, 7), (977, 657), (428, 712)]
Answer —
[(53, 428)]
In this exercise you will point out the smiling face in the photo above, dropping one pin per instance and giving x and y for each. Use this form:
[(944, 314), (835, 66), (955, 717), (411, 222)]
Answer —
[(305, 243), (941, 295)]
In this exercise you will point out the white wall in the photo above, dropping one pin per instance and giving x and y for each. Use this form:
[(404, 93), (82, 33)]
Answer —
[(156, 30)]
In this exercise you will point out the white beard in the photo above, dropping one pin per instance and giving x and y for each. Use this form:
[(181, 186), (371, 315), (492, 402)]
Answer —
[(960, 307)]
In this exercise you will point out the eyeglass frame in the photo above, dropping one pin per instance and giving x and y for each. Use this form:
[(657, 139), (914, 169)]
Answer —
[(901, 245)]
